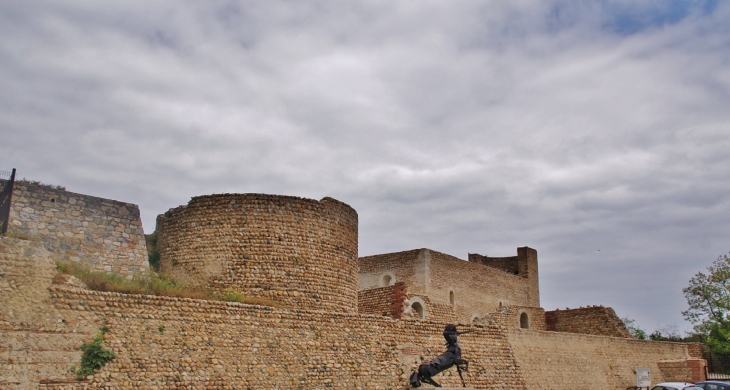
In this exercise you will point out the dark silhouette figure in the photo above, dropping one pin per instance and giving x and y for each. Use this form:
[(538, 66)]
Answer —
[(450, 358)]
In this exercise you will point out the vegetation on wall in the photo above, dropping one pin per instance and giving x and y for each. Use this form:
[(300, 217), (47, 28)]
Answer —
[(94, 357), (153, 256), (25, 182), (151, 283)]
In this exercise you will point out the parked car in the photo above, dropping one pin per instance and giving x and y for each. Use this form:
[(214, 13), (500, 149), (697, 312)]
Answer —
[(713, 385), (675, 386)]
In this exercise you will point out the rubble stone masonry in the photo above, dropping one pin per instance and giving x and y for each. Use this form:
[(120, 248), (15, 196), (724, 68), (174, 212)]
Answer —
[(300, 252), (597, 320), (173, 343), (104, 234)]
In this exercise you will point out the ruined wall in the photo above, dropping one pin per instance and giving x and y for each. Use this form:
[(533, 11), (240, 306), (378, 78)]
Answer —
[(105, 234), (556, 360), (300, 252), (37, 341), (596, 320)]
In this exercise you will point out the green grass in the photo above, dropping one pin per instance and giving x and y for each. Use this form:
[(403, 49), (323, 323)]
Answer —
[(152, 283)]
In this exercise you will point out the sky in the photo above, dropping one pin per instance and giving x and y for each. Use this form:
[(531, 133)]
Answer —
[(596, 132)]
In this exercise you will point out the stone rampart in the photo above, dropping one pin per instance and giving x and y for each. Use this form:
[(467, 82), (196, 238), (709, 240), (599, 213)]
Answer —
[(175, 342), (37, 341), (597, 320), (556, 360), (300, 252), (104, 234), (164, 342)]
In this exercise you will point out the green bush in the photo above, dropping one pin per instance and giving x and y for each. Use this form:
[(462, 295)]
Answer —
[(94, 357)]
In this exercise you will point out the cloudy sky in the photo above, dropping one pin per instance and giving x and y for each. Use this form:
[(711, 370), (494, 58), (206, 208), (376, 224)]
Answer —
[(597, 132)]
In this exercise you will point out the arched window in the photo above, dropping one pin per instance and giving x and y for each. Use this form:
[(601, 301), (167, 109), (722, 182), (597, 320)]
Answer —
[(386, 280), (451, 298), (524, 321), (417, 309), (500, 305)]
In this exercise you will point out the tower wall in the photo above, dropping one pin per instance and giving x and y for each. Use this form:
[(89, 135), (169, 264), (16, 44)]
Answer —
[(299, 252)]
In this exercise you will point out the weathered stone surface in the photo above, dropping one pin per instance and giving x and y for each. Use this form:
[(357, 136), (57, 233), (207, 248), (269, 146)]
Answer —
[(300, 252), (104, 234)]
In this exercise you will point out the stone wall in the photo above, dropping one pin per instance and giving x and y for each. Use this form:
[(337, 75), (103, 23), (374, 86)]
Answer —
[(510, 317), (172, 342), (300, 252), (557, 360), (166, 342), (378, 301), (524, 265), (405, 267), (37, 341), (477, 289), (596, 320), (105, 234)]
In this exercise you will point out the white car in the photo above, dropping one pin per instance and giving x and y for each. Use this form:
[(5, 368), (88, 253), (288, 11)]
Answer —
[(675, 386)]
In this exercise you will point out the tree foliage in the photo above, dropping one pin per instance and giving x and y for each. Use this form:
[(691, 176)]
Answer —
[(708, 297), (634, 329)]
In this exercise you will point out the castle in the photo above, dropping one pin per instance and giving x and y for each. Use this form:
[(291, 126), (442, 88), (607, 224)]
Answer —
[(346, 322)]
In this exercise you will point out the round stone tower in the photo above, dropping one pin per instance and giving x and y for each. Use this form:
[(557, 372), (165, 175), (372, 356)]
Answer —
[(300, 252)]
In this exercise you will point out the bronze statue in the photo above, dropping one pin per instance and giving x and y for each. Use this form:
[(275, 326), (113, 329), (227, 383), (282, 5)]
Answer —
[(450, 358)]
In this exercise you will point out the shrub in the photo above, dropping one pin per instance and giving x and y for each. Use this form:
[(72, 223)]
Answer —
[(94, 357)]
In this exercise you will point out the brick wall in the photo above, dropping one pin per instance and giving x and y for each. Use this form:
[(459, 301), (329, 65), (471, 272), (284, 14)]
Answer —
[(300, 252), (105, 234), (596, 320)]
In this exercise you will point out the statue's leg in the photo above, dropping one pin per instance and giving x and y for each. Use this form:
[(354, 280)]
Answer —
[(415, 380), (426, 373)]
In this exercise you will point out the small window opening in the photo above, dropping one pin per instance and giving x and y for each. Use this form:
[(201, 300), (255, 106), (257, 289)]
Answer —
[(500, 305), (417, 309), (524, 321), (451, 298), (387, 279), (53, 200)]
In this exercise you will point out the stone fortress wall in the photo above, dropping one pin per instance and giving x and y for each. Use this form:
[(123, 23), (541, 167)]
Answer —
[(105, 234), (472, 289), (300, 252), (166, 343), (596, 320)]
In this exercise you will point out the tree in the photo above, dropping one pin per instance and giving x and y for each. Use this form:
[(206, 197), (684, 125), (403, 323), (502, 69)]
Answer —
[(708, 297), (634, 329)]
